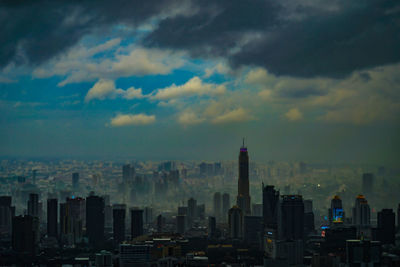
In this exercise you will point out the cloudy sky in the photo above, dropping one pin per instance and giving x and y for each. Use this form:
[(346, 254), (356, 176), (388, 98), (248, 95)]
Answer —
[(311, 80)]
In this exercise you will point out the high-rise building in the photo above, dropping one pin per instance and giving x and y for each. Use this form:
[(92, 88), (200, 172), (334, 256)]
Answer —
[(361, 212), (386, 226), (119, 213), (291, 218), (25, 234), (398, 216), (257, 209), (34, 173), (77, 217), (367, 183), (363, 253), (192, 211), (226, 204), (128, 173), (270, 206), (212, 226), (136, 223), (148, 215), (336, 213), (65, 223), (160, 223), (253, 229), (95, 219), (181, 224), (243, 197), (75, 181), (33, 205), (235, 223), (52, 210), (309, 225), (217, 205), (6, 214)]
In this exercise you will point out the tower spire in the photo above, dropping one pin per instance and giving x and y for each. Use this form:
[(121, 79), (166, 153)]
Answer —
[(243, 142)]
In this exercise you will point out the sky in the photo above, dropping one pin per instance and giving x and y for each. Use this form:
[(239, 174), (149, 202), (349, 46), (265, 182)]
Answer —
[(310, 80)]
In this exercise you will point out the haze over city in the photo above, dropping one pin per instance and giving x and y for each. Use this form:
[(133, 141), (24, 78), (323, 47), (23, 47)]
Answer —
[(200, 133)]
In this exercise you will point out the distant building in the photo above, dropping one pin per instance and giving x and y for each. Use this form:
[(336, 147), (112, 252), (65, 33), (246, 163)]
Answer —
[(253, 230), (181, 224), (235, 223), (270, 206), (6, 214), (336, 213), (226, 204), (386, 226), (291, 218), (75, 181), (25, 234), (309, 225), (52, 215), (128, 173), (192, 211), (33, 205), (136, 223), (119, 213), (217, 205), (363, 253), (243, 197), (212, 227), (134, 255), (361, 212), (95, 220)]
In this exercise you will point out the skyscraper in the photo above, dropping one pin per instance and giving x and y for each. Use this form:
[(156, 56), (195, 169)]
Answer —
[(52, 208), (95, 219), (119, 213), (270, 206), (192, 211), (361, 212), (25, 234), (217, 205), (226, 204), (181, 224), (386, 226), (75, 181), (243, 197), (136, 223), (33, 205), (235, 223), (128, 173), (291, 218), (212, 226), (6, 214), (336, 213)]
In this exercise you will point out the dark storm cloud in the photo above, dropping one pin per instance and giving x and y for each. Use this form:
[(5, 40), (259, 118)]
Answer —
[(303, 42), (34, 31), (286, 37)]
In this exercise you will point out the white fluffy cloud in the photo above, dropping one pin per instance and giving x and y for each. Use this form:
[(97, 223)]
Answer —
[(189, 117), (294, 114), (103, 89), (85, 64), (194, 87), (132, 119), (236, 115)]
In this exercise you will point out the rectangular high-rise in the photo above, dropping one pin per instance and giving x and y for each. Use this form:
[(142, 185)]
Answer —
[(270, 206), (75, 181), (291, 218), (33, 205), (386, 226), (95, 219), (119, 213), (136, 223), (25, 234), (52, 208), (243, 197)]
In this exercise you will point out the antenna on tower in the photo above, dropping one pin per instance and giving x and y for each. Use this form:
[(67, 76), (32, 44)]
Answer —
[(243, 142)]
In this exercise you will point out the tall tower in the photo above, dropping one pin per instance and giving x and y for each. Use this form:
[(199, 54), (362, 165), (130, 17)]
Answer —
[(243, 197)]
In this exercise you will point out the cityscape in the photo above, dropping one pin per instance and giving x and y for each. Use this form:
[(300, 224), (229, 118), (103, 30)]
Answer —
[(197, 214), (226, 133)]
